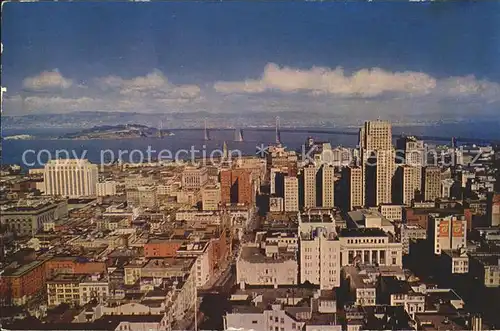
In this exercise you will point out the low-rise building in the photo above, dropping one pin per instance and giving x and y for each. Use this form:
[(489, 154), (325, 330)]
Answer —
[(107, 188), (410, 233), (455, 261), (397, 292), (272, 266), (486, 267), (26, 217), (362, 288), (370, 246)]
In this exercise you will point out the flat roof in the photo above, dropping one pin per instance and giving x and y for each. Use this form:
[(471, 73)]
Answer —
[(362, 232), (256, 255), (22, 269)]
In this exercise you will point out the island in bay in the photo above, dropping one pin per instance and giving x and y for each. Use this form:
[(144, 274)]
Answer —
[(127, 131)]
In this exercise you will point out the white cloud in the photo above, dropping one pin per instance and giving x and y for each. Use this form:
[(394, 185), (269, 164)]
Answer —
[(363, 83), (332, 92), (154, 84), (470, 86), (47, 80), (319, 80)]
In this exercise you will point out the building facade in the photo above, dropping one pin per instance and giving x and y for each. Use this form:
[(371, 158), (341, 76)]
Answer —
[(70, 178)]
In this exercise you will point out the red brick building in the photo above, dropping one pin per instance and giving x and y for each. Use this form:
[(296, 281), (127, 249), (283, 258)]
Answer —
[(237, 186), (162, 247), (21, 284), (72, 265)]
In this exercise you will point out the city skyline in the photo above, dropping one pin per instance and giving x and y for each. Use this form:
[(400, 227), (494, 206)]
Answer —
[(404, 62)]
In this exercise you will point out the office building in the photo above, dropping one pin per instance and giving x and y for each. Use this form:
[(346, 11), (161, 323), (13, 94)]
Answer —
[(70, 178), (406, 184), (327, 186), (27, 217), (378, 158), (376, 135), (410, 151), (352, 187), (291, 194), (431, 183), (309, 173), (378, 174), (194, 178), (277, 181), (210, 197), (237, 186)]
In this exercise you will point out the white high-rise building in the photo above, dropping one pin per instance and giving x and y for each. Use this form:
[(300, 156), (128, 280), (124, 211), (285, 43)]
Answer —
[(70, 178), (378, 158), (291, 193), (376, 135), (320, 257), (385, 168), (327, 185)]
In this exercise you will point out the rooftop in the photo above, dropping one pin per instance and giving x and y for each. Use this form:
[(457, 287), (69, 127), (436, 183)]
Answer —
[(15, 272), (362, 232), (68, 278), (256, 255)]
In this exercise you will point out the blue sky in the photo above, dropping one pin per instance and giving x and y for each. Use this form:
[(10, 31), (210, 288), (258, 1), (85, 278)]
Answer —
[(397, 58)]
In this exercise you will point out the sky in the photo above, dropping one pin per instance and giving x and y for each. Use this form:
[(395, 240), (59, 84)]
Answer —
[(399, 60)]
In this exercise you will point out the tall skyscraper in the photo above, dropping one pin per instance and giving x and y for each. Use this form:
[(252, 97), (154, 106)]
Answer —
[(352, 187), (410, 151), (70, 178), (327, 186), (431, 183), (309, 179), (406, 184), (378, 159), (291, 193), (376, 135), (277, 182)]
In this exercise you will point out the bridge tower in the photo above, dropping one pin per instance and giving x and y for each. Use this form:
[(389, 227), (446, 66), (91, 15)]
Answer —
[(278, 135), (160, 130), (207, 137), (238, 135)]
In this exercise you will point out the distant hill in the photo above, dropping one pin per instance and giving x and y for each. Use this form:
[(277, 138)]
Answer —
[(122, 131)]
